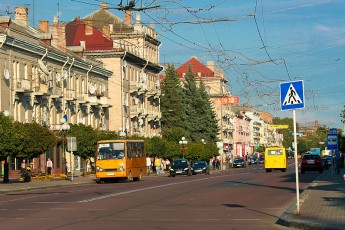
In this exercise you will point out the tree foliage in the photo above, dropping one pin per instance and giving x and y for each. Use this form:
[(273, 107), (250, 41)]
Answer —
[(32, 140), (7, 134), (172, 107)]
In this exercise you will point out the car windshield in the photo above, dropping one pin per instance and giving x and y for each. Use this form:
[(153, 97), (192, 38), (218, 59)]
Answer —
[(238, 160), (199, 164), (180, 162), (311, 157)]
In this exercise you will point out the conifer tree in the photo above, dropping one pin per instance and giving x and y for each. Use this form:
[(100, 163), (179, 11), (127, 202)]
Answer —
[(172, 107)]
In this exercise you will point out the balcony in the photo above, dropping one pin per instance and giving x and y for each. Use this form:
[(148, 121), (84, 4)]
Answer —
[(22, 86), (154, 115), (92, 101), (154, 93), (103, 102), (134, 86), (71, 96), (142, 89)]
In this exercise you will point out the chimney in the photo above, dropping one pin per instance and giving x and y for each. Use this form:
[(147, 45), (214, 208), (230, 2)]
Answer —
[(21, 15), (88, 27), (43, 25), (58, 34), (106, 31), (104, 5), (128, 16), (210, 65)]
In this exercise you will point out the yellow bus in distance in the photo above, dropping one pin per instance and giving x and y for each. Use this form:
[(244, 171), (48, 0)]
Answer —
[(120, 159), (275, 158)]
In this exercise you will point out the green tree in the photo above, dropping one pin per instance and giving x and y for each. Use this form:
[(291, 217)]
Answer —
[(172, 107), (86, 141), (191, 99), (209, 128), (7, 142), (32, 140)]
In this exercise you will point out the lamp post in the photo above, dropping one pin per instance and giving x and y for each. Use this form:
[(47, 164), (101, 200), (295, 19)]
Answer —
[(63, 128), (183, 142), (122, 133)]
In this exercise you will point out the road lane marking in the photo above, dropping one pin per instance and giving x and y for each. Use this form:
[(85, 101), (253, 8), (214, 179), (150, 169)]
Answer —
[(142, 189), (27, 209), (246, 219)]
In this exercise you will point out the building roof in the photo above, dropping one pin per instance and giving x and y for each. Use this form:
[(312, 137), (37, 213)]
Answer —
[(198, 68), (103, 17)]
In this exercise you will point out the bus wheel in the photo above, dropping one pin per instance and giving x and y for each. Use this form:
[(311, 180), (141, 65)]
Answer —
[(129, 177)]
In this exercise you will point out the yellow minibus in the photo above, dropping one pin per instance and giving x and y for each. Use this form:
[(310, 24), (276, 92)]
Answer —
[(120, 159), (275, 158)]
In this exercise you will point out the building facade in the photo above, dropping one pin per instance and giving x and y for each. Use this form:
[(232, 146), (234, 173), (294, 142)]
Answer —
[(43, 84)]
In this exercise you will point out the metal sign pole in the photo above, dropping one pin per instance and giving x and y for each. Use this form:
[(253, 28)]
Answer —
[(296, 161)]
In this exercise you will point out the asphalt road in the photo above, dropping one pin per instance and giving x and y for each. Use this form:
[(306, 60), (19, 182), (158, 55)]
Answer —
[(246, 198)]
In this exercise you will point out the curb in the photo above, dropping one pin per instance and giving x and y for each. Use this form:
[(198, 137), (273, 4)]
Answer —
[(289, 218)]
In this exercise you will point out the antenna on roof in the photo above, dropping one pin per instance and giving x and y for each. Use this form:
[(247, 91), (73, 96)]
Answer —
[(58, 10), (131, 6)]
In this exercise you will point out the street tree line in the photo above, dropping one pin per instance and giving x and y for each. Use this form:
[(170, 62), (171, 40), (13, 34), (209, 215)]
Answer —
[(186, 112)]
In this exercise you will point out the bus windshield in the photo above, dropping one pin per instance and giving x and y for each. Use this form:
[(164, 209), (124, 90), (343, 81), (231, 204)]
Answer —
[(111, 150), (275, 152)]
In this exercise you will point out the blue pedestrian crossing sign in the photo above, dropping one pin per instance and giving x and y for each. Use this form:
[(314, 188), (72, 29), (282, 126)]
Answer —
[(292, 95)]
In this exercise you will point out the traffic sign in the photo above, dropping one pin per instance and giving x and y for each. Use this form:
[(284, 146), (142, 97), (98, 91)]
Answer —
[(292, 95), (332, 141), (333, 130)]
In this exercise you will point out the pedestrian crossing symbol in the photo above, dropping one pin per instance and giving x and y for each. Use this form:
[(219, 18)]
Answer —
[(292, 95)]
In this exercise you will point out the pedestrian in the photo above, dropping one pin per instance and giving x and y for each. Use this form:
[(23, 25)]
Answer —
[(158, 163), (148, 165), (67, 167), (167, 164), (22, 169), (49, 166)]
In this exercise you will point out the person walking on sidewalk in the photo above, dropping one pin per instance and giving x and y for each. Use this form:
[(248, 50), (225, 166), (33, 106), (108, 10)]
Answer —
[(22, 169), (49, 166), (158, 163), (148, 165)]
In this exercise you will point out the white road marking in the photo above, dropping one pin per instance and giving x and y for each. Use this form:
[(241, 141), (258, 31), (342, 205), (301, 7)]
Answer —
[(246, 219), (27, 209)]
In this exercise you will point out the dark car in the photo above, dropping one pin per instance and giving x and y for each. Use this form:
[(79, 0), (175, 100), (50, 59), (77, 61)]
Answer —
[(180, 167), (311, 162), (253, 160), (261, 160), (326, 162), (200, 167), (239, 163)]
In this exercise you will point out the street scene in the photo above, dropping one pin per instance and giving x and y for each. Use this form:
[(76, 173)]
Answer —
[(149, 114), (236, 198)]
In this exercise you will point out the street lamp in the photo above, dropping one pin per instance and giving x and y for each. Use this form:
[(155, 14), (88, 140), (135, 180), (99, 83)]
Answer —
[(122, 133), (183, 142), (63, 128)]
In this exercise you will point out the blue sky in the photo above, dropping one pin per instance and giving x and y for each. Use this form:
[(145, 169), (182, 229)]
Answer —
[(258, 43)]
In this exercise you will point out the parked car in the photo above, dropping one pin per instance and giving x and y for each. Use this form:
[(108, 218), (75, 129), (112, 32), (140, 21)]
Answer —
[(261, 160), (180, 167), (239, 163), (253, 160), (200, 167), (311, 162), (326, 162)]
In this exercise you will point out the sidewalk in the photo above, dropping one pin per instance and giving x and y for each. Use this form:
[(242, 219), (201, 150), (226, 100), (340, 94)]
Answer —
[(16, 185), (322, 205)]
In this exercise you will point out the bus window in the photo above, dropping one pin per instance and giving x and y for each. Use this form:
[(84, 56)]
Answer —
[(275, 152)]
